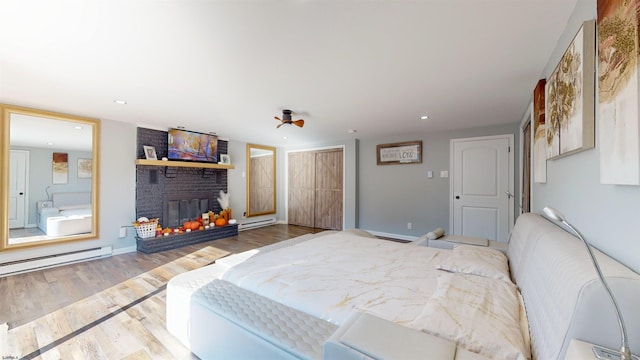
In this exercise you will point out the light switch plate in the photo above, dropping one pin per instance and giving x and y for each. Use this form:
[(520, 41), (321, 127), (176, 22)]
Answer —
[(444, 173)]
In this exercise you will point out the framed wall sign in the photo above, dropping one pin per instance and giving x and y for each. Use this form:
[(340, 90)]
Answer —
[(399, 153)]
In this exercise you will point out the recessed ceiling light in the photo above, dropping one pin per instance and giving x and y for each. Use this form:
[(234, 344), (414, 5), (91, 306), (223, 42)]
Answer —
[(284, 138), (77, 127), (50, 143), (121, 102), (424, 117), (352, 131)]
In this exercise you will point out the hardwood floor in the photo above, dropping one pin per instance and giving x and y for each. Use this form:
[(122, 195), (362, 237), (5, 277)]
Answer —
[(112, 308)]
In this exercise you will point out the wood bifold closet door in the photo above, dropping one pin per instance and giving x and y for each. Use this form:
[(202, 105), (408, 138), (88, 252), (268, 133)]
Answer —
[(315, 189)]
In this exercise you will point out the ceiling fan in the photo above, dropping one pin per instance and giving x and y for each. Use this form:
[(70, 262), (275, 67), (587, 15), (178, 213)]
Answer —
[(286, 119)]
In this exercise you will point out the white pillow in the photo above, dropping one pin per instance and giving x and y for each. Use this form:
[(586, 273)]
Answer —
[(481, 315), (477, 260), (437, 233)]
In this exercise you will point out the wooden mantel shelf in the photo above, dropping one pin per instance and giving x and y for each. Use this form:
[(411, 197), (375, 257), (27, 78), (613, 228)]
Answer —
[(183, 164)]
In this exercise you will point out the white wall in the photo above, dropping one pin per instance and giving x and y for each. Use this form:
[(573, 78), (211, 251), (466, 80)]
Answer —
[(390, 196), (607, 215)]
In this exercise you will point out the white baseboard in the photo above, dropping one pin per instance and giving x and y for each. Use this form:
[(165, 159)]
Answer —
[(256, 224), (49, 261), (125, 250)]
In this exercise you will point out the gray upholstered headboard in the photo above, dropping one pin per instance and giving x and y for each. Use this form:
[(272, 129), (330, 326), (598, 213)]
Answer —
[(61, 199), (563, 296)]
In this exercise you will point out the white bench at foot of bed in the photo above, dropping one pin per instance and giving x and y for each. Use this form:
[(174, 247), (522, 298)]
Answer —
[(229, 322), (181, 288)]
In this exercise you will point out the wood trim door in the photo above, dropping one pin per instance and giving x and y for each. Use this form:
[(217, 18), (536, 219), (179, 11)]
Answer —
[(261, 187), (526, 170), (315, 189), (328, 205), (301, 192)]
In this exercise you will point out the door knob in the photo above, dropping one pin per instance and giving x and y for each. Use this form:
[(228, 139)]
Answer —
[(21, 193), (509, 194), (457, 197)]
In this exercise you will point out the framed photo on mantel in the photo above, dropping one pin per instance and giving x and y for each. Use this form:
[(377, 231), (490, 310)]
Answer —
[(399, 153)]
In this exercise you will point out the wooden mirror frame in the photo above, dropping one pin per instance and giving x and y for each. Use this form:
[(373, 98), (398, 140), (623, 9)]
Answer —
[(5, 146), (249, 177)]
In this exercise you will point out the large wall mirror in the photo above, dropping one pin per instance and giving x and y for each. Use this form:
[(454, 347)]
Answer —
[(261, 180), (50, 176)]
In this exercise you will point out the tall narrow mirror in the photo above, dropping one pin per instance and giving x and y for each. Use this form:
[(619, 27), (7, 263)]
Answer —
[(261, 180), (50, 164)]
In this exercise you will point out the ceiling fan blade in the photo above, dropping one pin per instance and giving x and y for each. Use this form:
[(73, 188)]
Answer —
[(278, 127), (299, 123), (277, 118)]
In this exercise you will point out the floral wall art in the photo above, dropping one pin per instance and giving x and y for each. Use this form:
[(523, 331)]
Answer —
[(618, 53), (569, 96)]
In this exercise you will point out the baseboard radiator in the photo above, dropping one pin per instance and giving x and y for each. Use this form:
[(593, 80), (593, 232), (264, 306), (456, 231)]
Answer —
[(256, 224), (49, 261)]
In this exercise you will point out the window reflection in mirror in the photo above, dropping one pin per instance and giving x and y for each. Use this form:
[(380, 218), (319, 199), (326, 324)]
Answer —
[(261, 180), (51, 177)]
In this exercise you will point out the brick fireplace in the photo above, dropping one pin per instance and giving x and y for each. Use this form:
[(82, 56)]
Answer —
[(173, 194)]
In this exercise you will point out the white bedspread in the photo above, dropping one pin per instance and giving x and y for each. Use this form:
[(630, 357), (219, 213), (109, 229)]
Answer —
[(332, 276)]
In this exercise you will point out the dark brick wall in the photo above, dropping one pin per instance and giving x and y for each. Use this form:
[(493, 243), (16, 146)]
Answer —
[(153, 182)]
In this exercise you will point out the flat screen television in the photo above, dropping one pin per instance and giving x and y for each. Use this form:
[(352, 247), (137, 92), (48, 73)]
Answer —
[(187, 145)]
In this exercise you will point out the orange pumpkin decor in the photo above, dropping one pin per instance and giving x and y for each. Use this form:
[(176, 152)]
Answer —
[(220, 221), (193, 225)]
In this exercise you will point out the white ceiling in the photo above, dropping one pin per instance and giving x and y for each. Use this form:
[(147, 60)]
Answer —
[(231, 66)]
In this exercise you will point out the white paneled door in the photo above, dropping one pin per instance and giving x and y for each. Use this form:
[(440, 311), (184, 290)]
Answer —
[(482, 187), (17, 187)]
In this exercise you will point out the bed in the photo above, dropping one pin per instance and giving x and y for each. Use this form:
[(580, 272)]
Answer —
[(347, 295), (70, 214)]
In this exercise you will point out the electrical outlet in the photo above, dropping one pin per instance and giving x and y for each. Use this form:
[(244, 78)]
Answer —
[(409, 226), (123, 231)]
